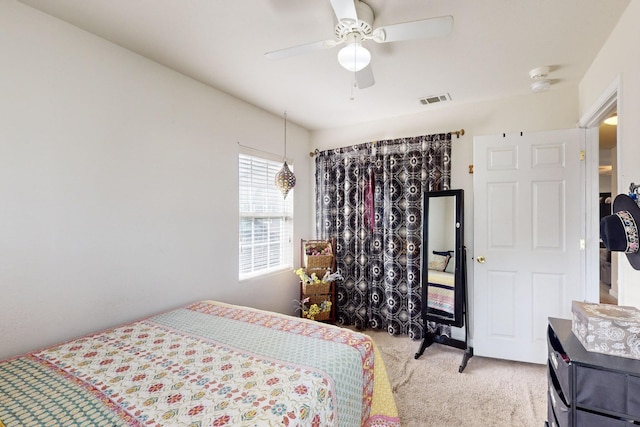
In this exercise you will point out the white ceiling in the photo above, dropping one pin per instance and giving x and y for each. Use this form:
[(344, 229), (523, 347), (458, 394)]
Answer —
[(488, 55)]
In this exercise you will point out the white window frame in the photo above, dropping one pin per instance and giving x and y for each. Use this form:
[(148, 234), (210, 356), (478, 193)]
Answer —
[(261, 248)]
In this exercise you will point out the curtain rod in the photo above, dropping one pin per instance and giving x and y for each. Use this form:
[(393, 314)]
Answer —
[(457, 133)]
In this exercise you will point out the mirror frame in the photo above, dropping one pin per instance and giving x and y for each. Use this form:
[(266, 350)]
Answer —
[(457, 319)]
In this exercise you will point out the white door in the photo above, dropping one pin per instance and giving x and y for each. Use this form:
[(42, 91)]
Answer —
[(528, 261)]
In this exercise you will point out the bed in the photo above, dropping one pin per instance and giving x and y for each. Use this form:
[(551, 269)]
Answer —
[(205, 364), (441, 293)]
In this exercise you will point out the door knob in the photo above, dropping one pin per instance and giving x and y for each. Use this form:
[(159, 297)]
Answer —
[(480, 259)]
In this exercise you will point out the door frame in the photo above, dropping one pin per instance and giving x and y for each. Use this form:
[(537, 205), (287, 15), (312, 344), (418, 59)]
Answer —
[(608, 102)]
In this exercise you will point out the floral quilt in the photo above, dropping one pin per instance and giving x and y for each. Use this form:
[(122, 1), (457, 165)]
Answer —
[(441, 292), (207, 364)]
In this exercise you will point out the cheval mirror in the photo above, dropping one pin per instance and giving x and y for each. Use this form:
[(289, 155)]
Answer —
[(443, 271)]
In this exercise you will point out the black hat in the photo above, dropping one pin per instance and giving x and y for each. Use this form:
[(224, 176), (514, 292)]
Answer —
[(619, 232)]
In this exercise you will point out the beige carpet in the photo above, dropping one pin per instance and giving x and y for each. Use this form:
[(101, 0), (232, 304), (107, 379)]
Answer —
[(489, 392)]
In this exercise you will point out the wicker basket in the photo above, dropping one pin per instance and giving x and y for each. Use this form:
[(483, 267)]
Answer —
[(316, 288), (323, 261), (319, 272), (318, 261), (322, 316), (318, 299)]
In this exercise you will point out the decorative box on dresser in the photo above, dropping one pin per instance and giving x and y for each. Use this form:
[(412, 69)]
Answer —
[(587, 389)]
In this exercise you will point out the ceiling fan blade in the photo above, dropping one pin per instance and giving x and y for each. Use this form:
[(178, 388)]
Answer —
[(301, 49), (422, 29), (345, 10), (364, 77)]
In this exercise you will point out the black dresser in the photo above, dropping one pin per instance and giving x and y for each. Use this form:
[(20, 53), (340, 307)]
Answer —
[(589, 389)]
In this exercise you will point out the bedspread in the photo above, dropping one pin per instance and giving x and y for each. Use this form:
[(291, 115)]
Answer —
[(441, 292), (207, 364)]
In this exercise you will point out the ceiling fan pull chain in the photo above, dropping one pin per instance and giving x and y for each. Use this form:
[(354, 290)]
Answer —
[(354, 83)]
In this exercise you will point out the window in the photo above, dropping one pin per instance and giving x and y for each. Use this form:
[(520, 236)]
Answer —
[(266, 219)]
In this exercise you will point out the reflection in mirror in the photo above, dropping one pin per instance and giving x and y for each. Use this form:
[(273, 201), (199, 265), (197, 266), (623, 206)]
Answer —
[(443, 294), (442, 231)]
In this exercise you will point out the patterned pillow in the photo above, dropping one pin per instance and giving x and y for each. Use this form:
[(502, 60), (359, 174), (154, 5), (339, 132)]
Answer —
[(439, 262)]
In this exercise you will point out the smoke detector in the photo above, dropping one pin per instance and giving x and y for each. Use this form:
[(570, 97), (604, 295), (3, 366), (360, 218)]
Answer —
[(539, 73), (540, 81)]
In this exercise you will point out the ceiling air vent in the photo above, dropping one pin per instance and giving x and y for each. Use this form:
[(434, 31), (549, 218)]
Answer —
[(435, 99)]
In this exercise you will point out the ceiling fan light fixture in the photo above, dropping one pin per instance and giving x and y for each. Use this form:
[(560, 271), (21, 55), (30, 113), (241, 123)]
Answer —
[(353, 56), (540, 81)]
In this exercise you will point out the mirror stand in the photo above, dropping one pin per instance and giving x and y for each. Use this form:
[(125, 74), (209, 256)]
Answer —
[(444, 271), (439, 337)]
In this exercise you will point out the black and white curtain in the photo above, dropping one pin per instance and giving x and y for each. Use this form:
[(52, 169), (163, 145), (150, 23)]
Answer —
[(369, 198)]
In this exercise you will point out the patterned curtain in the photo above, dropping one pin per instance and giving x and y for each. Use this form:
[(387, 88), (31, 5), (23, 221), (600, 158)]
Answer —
[(369, 198)]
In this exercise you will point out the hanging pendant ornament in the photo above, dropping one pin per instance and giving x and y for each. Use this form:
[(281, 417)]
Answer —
[(285, 179)]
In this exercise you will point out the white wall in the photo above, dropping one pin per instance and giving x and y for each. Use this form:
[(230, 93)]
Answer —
[(118, 186), (618, 58)]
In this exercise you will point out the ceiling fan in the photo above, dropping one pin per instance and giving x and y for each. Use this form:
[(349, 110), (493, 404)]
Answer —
[(355, 19)]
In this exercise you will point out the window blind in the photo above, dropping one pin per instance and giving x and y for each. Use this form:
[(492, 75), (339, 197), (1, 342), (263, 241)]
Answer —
[(266, 218)]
